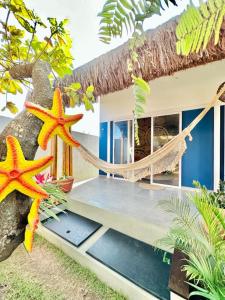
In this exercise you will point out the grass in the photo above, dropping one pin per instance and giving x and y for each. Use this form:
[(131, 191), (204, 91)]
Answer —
[(21, 279), (23, 289), (81, 273)]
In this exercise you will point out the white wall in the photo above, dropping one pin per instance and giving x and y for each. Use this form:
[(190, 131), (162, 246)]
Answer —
[(184, 90), (83, 170)]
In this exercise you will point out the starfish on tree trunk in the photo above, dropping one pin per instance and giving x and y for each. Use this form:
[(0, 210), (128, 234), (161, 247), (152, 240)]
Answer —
[(56, 122)]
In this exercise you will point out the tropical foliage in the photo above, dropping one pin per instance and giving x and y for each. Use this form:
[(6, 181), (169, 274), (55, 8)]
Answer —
[(198, 230), (197, 25), (195, 28), (50, 206), (141, 92), (20, 44), (77, 96), (217, 197), (118, 15)]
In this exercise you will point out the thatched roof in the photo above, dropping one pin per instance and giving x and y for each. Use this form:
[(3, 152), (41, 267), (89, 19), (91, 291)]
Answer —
[(108, 73)]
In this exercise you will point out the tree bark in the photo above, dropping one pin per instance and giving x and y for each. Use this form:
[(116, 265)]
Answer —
[(25, 127)]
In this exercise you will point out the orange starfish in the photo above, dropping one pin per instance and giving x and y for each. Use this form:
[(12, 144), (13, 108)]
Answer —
[(16, 172), (33, 220), (55, 121)]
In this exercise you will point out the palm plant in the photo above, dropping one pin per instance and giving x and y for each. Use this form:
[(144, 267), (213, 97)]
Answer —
[(49, 206), (219, 195), (198, 230)]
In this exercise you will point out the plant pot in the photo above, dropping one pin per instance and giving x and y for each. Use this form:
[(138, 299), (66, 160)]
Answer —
[(65, 184)]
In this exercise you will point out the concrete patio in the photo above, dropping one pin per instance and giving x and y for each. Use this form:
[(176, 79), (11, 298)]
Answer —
[(125, 206)]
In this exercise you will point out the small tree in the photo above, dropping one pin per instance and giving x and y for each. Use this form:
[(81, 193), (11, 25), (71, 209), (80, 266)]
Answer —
[(26, 59)]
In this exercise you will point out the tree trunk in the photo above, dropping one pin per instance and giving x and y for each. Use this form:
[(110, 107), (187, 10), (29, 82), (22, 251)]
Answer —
[(25, 127)]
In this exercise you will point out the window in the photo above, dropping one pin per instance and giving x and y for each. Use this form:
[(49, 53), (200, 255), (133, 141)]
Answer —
[(122, 136)]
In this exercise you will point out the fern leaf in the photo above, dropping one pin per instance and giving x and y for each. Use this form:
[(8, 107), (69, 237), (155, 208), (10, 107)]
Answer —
[(209, 31), (118, 15), (201, 36), (126, 4), (196, 39), (197, 25), (219, 24)]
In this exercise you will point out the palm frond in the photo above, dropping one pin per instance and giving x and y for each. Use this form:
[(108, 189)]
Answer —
[(199, 233), (181, 210), (198, 24), (203, 293), (50, 206), (117, 15)]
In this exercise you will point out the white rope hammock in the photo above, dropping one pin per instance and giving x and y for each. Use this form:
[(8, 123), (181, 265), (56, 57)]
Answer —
[(164, 159)]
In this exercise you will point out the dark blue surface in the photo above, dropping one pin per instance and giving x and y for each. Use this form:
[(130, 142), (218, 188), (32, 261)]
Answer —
[(103, 143), (197, 162), (72, 227), (111, 141), (222, 125), (135, 260)]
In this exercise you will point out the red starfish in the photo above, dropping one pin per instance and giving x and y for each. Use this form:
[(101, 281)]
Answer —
[(16, 172), (55, 121)]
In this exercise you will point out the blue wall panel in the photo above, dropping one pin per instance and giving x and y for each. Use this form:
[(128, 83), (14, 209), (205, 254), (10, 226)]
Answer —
[(103, 143), (222, 144), (197, 162), (111, 141)]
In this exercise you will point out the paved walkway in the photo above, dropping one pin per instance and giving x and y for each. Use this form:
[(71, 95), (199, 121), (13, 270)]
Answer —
[(120, 196)]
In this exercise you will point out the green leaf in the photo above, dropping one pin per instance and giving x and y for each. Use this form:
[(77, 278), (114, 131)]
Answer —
[(24, 23), (126, 4), (12, 107), (219, 24), (49, 212), (75, 86), (53, 21), (74, 99), (209, 31), (117, 15), (197, 25), (90, 89), (142, 84)]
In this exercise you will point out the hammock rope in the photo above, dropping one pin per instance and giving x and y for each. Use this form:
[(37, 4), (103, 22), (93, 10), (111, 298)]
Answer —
[(164, 159)]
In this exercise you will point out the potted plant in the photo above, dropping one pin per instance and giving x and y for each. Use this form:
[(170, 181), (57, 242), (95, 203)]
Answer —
[(65, 183), (198, 230)]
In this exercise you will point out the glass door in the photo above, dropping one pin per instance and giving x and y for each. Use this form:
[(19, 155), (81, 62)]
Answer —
[(122, 142), (165, 128)]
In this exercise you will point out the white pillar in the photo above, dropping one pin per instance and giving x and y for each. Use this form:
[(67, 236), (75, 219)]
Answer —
[(108, 145), (216, 146)]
